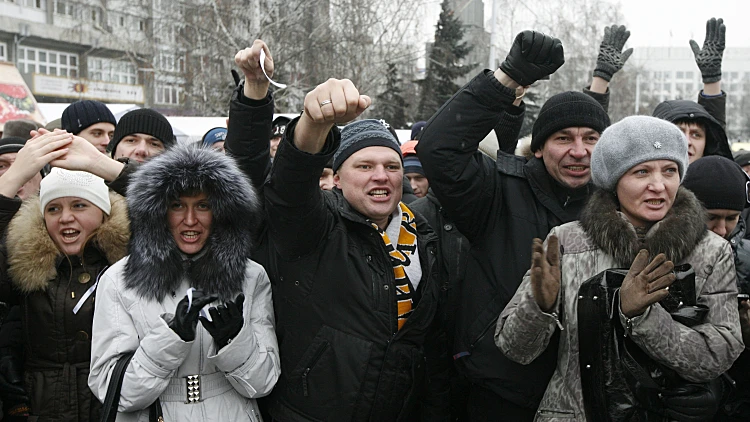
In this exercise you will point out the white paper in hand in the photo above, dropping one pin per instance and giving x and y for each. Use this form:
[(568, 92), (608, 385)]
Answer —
[(263, 67)]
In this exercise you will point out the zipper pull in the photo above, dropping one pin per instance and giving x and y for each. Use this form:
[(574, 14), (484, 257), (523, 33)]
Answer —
[(557, 321)]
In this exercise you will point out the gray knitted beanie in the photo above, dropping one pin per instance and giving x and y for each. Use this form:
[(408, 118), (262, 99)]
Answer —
[(363, 134), (632, 141)]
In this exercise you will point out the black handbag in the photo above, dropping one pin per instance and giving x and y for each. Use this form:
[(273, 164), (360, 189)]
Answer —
[(112, 400), (622, 383)]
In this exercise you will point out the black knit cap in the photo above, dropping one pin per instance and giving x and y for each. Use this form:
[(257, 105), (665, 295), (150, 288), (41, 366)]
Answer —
[(142, 120), (718, 182), (567, 109), (11, 144), (82, 114)]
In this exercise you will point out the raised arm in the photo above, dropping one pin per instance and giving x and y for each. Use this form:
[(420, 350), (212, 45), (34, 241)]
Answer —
[(295, 209), (610, 60), (251, 115), (451, 138), (709, 59)]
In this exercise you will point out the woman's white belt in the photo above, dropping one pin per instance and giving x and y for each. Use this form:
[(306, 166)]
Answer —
[(196, 388)]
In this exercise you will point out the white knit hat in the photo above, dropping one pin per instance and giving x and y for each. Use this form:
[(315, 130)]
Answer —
[(60, 183)]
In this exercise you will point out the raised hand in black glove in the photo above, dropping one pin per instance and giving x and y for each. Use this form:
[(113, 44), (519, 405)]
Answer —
[(611, 58), (186, 320), (226, 321), (533, 56), (11, 381), (709, 58)]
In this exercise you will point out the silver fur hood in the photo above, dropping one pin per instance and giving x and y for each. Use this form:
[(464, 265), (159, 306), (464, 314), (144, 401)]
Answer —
[(156, 266)]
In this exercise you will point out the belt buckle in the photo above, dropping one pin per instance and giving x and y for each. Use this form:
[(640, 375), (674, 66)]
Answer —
[(193, 383)]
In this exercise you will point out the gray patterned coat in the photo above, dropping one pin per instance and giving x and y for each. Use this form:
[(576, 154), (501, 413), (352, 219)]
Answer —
[(605, 239)]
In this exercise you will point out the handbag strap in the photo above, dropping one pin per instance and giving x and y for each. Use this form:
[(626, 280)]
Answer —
[(112, 400)]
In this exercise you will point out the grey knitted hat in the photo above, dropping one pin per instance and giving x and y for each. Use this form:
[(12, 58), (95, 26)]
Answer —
[(632, 141), (362, 134)]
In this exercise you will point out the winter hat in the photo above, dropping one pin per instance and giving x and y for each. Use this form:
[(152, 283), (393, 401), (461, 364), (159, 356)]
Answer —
[(719, 183), (142, 120), (20, 128), (632, 141), (413, 165), (11, 144), (279, 126), (417, 128), (742, 158), (409, 148), (217, 134), (362, 134), (82, 114), (80, 184), (567, 109)]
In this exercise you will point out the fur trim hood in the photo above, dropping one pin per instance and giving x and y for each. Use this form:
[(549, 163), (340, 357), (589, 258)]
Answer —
[(32, 255), (676, 235), (156, 266)]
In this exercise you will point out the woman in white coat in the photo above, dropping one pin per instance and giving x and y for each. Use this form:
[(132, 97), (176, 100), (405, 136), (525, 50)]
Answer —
[(192, 214)]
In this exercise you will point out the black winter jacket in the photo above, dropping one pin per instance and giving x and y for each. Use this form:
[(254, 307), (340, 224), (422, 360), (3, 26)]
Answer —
[(343, 357), (500, 207)]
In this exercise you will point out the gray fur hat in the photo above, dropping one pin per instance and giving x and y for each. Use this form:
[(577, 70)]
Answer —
[(156, 266), (632, 141)]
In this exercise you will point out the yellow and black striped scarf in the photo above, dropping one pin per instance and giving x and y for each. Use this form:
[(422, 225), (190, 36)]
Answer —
[(400, 258)]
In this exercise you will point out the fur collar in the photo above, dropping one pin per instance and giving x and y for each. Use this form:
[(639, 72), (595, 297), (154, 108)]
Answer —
[(676, 235), (156, 266), (32, 255)]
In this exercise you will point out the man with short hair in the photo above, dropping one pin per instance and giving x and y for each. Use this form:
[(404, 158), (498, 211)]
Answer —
[(92, 121), (501, 207), (353, 269)]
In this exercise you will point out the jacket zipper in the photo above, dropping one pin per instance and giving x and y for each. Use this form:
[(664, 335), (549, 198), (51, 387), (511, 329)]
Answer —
[(309, 368)]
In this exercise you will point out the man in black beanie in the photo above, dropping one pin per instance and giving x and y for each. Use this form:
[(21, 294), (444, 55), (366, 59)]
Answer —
[(501, 207), (140, 135), (722, 186), (92, 121)]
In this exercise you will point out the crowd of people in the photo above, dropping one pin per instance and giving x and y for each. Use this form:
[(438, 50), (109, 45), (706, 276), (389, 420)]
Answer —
[(295, 270)]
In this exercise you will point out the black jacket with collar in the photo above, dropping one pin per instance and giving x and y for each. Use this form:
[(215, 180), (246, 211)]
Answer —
[(500, 207), (334, 295)]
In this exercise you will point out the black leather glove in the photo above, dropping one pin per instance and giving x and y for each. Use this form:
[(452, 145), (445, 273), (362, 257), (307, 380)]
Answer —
[(186, 320), (611, 58), (709, 58), (533, 56), (227, 321), (11, 382)]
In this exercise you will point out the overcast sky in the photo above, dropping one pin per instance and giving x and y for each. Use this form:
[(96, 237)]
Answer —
[(675, 22)]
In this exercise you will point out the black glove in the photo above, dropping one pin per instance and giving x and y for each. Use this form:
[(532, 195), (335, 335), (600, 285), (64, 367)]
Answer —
[(533, 56), (709, 58), (185, 321), (227, 321), (11, 382), (611, 58)]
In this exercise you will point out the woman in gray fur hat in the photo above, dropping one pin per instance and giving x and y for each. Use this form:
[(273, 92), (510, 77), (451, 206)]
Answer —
[(641, 219), (193, 212)]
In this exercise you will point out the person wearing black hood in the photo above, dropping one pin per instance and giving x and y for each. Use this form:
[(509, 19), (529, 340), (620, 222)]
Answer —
[(704, 122)]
